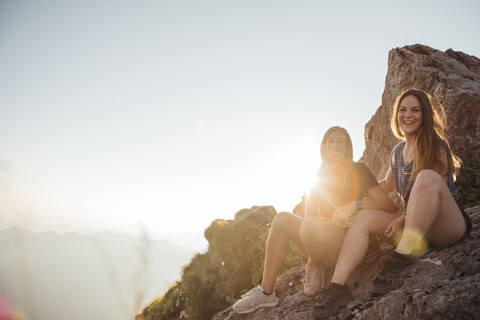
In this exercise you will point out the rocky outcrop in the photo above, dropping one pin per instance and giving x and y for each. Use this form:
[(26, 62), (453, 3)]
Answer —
[(214, 279), (445, 284), (451, 76)]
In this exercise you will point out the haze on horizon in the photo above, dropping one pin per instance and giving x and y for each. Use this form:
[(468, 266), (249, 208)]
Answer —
[(167, 115)]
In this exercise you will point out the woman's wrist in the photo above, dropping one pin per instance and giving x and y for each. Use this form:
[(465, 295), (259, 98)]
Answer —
[(358, 204)]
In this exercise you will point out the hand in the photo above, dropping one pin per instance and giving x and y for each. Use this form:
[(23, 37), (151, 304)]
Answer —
[(395, 226)]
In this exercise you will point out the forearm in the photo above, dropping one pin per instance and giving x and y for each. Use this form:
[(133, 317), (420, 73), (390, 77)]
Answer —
[(385, 186), (384, 204)]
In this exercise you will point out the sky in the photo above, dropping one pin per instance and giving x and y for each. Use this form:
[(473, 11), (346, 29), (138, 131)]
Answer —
[(165, 115)]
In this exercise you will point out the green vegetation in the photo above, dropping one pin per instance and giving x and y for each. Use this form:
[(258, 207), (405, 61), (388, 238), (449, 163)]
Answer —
[(468, 183), (212, 281)]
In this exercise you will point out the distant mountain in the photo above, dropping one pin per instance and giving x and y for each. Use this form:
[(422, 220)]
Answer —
[(76, 276), (193, 241), (42, 227)]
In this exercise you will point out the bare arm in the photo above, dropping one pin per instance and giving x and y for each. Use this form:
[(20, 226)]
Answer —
[(388, 183), (378, 200), (442, 171)]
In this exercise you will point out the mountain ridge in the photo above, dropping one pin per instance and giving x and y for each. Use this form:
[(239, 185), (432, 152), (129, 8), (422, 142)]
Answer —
[(117, 273)]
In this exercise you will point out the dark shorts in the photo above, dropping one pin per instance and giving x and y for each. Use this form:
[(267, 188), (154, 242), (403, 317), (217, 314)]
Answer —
[(468, 229)]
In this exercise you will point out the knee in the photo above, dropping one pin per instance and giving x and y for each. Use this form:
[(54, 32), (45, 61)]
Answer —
[(363, 221), (428, 180), (312, 230), (307, 229), (281, 221)]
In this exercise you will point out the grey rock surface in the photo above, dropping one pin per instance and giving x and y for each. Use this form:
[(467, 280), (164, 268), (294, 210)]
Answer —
[(445, 284)]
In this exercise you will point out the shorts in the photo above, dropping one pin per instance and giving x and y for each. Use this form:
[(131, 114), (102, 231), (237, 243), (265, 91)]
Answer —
[(468, 229)]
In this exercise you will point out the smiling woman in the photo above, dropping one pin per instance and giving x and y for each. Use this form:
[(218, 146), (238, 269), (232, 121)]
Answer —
[(337, 194)]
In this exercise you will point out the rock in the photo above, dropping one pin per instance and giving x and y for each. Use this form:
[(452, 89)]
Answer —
[(445, 284), (452, 76)]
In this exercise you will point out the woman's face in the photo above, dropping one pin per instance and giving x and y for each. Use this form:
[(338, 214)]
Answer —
[(336, 146), (409, 115)]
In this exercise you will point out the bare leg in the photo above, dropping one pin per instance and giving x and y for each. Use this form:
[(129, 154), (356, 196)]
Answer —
[(321, 239), (285, 227), (355, 243), (431, 211)]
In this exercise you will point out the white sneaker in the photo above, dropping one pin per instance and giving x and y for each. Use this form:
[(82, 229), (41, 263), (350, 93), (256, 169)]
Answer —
[(314, 279), (248, 293), (255, 299)]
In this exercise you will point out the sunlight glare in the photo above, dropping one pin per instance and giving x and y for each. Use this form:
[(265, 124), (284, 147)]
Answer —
[(416, 241), (310, 181)]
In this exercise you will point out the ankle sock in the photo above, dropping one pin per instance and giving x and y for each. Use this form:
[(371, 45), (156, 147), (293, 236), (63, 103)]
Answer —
[(336, 286)]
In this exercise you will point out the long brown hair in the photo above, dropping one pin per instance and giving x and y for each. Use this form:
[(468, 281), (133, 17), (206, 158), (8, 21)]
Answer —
[(431, 137), (349, 155)]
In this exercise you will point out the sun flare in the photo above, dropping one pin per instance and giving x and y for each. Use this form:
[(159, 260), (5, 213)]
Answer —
[(416, 241)]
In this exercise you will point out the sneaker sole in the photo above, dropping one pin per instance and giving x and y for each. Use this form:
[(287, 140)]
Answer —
[(332, 311), (264, 305)]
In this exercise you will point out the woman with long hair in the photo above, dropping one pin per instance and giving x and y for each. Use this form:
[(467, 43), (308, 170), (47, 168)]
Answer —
[(329, 209), (422, 168)]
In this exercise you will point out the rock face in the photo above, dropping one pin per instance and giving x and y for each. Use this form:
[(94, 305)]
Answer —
[(445, 284), (451, 76)]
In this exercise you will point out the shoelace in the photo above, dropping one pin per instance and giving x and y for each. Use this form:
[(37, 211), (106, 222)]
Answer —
[(254, 294), (248, 293)]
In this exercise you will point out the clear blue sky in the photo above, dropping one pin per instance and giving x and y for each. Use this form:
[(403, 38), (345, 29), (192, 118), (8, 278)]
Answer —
[(170, 114)]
